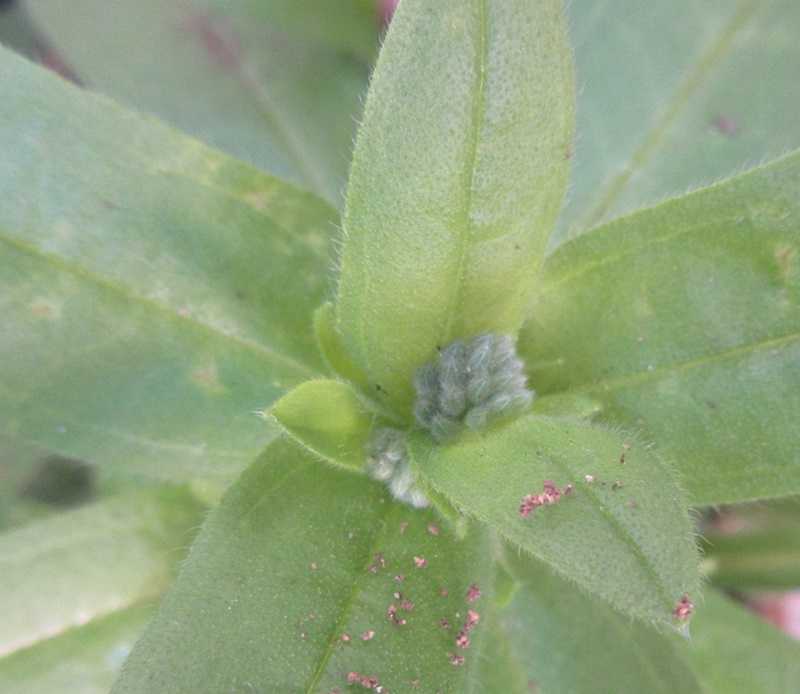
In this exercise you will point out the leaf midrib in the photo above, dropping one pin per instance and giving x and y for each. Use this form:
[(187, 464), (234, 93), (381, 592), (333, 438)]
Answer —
[(623, 533), (250, 80), (112, 287), (465, 227), (715, 52), (639, 377), (347, 605)]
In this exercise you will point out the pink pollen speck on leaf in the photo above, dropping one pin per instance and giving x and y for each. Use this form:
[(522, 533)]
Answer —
[(549, 496), (456, 660), (473, 593), (472, 619), (683, 610), (420, 562)]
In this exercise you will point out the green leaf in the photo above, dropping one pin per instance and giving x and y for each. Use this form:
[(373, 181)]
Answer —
[(281, 571), (85, 659), (156, 293), (684, 321), (567, 405), (333, 351), (82, 565), (623, 534), (253, 79), (328, 418), (755, 547), (572, 643), (663, 109), (457, 178), (734, 652)]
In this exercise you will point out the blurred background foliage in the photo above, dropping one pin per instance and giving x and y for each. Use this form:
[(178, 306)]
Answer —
[(671, 95)]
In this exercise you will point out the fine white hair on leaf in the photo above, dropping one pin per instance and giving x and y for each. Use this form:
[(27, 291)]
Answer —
[(387, 461), (470, 384)]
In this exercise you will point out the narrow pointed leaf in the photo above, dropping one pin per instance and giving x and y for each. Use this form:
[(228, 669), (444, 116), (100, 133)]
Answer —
[(329, 419), (256, 79), (735, 652), (571, 643), (156, 292), (297, 556), (663, 108), (623, 534), (684, 321), (79, 566), (457, 178), (85, 659)]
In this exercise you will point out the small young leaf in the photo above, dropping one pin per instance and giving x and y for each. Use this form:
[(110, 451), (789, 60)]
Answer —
[(83, 565), (330, 346), (571, 643), (621, 531), (291, 583), (684, 321), (460, 166), (734, 652), (329, 419)]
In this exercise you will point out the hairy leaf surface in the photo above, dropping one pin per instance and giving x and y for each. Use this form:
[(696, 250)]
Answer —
[(458, 175), (297, 556), (155, 292), (622, 534), (684, 321), (329, 419)]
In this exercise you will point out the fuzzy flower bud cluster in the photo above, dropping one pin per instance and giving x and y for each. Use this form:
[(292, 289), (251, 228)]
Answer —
[(387, 461), (470, 384)]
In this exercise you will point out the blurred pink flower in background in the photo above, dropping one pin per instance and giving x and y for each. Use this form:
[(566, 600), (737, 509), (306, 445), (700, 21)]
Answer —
[(781, 609)]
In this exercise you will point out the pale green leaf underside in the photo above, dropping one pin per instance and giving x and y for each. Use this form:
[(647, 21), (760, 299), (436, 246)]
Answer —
[(624, 537), (460, 166), (155, 292), (700, 88), (281, 571), (571, 643), (329, 419), (80, 566), (85, 659), (684, 321), (735, 652), (256, 79)]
